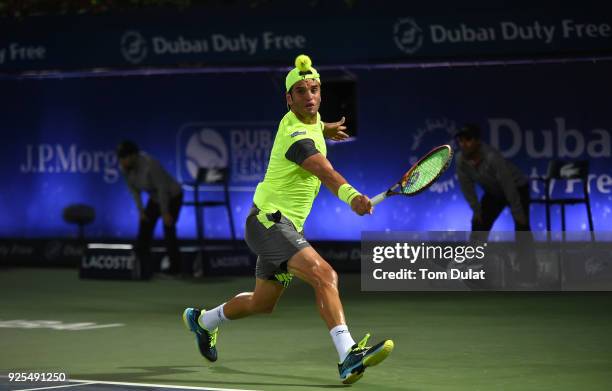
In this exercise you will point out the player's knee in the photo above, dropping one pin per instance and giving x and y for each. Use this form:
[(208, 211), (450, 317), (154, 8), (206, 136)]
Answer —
[(332, 278), (325, 277)]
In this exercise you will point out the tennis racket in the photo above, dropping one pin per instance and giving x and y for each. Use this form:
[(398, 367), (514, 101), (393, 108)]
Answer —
[(421, 175)]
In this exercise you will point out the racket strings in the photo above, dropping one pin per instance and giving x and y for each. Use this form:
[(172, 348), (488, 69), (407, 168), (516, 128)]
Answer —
[(426, 171)]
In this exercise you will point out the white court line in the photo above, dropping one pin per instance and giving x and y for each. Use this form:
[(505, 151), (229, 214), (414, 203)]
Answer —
[(48, 388), (84, 382), (159, 385)]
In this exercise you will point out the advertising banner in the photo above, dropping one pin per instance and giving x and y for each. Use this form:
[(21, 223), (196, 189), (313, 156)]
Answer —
[(205, 39), (59, 140)]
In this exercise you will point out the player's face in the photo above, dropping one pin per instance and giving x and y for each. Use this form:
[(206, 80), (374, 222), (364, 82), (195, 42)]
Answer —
[(469, 145), (128, 162), (305, 98)]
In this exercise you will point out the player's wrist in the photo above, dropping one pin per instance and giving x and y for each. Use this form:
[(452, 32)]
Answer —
[(347, 193)]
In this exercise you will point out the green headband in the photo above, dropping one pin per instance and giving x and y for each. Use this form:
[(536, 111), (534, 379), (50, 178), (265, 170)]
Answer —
[(303, 70)]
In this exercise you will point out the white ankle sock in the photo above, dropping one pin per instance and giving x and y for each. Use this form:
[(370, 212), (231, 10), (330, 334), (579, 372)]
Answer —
[(211, 319), (342, 340)]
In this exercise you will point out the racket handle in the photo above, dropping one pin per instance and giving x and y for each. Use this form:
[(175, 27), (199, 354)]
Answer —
[(377, 199)]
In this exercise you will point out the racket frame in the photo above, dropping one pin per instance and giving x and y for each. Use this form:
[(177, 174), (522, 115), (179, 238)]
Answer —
[(390, 192)]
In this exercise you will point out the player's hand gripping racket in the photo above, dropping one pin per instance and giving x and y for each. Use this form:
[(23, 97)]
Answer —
[(421, 175)]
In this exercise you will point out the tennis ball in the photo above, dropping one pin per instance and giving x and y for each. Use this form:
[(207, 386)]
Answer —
[(303, 63)]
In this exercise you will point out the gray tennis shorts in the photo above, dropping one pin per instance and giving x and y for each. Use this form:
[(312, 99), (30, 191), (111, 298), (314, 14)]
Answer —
[(275, 240)]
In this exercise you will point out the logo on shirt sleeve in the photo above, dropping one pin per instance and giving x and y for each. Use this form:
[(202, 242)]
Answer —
[(297, 133)]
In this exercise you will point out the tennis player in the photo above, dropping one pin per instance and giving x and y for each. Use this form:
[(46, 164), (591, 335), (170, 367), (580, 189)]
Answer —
[(274, 231)]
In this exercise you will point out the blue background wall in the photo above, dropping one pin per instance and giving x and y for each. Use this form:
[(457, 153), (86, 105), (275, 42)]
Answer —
[(59, 136)]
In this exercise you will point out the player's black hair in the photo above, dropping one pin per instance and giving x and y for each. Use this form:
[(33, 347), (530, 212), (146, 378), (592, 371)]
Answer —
[(469, 131), (127, 148)]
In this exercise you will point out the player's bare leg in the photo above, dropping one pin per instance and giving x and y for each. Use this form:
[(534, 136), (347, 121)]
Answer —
[(261, 301), (205, 324), (309, 266)]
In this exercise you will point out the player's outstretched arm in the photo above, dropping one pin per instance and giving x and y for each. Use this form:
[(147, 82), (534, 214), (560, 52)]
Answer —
[(319, 166)]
